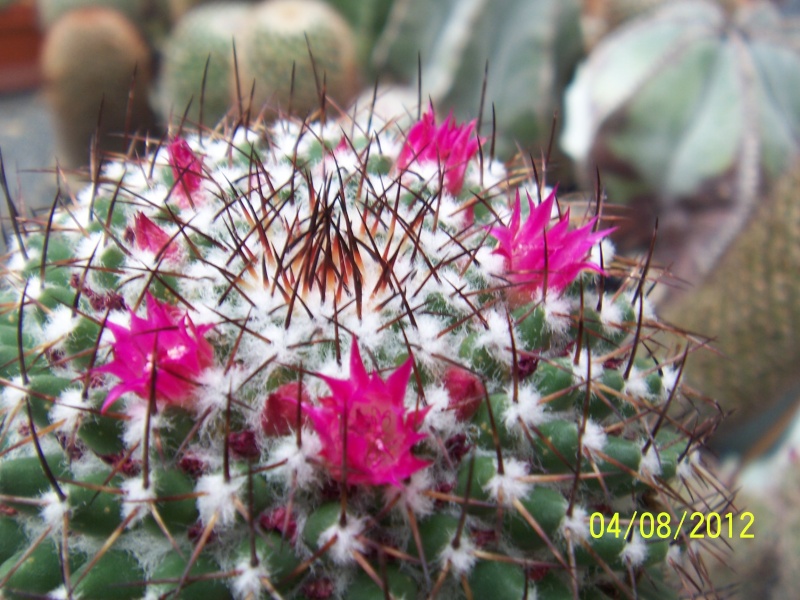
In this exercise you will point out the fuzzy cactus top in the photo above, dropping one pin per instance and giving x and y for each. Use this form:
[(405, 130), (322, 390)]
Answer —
[(319, 358)]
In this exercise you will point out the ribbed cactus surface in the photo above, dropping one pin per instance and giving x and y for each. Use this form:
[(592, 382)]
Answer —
[(335, 360)]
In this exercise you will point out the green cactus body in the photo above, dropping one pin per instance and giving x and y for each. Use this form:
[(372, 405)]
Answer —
[(278, 39), (205, 34), (89, 58), (288, 374)]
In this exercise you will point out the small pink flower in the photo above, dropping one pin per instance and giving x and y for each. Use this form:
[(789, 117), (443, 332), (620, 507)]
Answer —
[(450, 146), (165, 351), (538, 254), (187, 171), (150, 236), (379, 431)]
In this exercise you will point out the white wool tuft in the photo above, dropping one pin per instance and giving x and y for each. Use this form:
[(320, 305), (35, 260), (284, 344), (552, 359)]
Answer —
[(13, 394), (594, 437), (68, 408), (576, 525), (674, 555), (636, 385), (509, 486), (412, 494), (217, 496), (439, 418), (635, 552), (669, 379), (556, 312), (608, 252), (299, 461), (528, 408), (611, 315), (686, 467), (133, 432), (247, 583), (461, 559), (651, 463), (60, 324), (53, 512), (137, 496), (347, 542)]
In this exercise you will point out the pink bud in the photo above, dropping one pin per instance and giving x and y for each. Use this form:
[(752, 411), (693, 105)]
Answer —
[(466, 392), (187, 170), (279, 416), (149, 236), (280, 520), (243, 444)]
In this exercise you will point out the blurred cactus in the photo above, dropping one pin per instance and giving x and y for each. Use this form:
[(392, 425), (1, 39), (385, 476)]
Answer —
[(749, 309), (601, 16), (316, 360), (272, 39), (205, 34), (282, 36), (531, 48), (89, 60), (688, 112)]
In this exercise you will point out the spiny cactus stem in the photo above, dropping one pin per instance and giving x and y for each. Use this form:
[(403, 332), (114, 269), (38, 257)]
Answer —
[(579, 337), (515, 360), (412, 523), (31, 549), (462, 519), (12, 210), (45, 467), (495, 434), (226, 450), (20, 346), (636, 295), (108, 544), (662, 414), (46, 241), (598, 210), (202, 100)]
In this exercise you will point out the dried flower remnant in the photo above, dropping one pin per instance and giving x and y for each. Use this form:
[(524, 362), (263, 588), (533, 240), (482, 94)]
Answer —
[(164, 352), (365, 425)]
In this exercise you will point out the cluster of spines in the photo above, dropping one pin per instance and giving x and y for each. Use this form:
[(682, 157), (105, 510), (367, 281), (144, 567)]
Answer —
[(498, 509)]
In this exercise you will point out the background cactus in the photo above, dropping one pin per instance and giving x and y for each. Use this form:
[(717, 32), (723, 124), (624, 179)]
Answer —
[(88, 61), (322, 360), (688, 112), (204, 34), (531, 49)]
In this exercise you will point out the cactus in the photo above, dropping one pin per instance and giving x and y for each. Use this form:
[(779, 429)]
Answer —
[(89, 60), (530, 48), (339, 359), (755, 328), (307, 38), (697, 159), (204, 34), (273, 40)]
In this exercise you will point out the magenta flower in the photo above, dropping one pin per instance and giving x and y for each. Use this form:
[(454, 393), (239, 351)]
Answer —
[(538, 254), (380, 432), (449, 146), (150, 236), (164, 352), (187, 171)]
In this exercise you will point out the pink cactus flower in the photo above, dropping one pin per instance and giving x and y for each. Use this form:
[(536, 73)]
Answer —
[(164, 352), (380, 432), (187, 171), (150, 236), (451, 146), (539, 254)]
